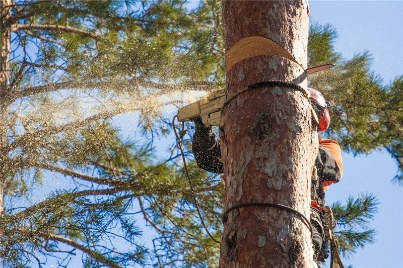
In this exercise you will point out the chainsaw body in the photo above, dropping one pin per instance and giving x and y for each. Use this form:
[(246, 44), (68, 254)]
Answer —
[(208, 108)]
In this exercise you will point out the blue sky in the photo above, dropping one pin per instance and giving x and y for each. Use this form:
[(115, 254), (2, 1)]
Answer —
[(377, 27)]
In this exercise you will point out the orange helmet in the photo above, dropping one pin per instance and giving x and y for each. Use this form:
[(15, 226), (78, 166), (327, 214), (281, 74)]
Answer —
[(321, 108)]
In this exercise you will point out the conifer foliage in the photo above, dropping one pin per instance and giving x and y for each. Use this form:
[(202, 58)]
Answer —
[(67, 68), (366, 114)]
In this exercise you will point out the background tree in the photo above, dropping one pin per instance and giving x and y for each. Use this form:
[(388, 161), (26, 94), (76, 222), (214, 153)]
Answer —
[(74, 178), (367, 115), (67, 67)]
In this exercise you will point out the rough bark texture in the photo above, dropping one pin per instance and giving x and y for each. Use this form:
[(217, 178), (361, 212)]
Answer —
[(5, 39), (268, 141)]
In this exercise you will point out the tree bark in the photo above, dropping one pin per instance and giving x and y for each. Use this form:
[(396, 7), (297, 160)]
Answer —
[(268, 141)]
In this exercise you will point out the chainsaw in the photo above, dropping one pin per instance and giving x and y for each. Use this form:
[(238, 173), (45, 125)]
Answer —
[(209, 107)]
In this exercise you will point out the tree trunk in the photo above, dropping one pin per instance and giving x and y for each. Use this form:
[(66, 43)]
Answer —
[(268, 142), (5, 39)]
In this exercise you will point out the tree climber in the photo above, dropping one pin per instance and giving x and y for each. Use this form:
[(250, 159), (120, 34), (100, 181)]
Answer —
[(328, 169)]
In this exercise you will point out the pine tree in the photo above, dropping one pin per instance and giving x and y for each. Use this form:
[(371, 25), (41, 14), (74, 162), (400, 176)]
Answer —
[(67, 67), (366, 115)]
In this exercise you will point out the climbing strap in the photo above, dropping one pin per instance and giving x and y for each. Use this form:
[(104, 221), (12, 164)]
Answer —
[(328, 225), (335, 261), (267, 204), (253, 46), (271, 83)]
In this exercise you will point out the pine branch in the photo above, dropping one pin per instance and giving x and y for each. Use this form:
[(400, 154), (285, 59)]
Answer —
[(92, 253), (42, 38), (60, 200), (117, 184), (353, 221), (81, 176), (28, 4), (60, 28), (18, 76), (148, 219)]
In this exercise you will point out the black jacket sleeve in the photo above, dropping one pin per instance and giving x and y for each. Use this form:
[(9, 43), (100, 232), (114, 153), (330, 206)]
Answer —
[(328, 170), (206, 149)]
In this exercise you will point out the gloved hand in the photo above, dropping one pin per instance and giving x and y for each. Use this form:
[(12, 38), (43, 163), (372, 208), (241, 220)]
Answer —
[(199, 123), (197, 120)]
